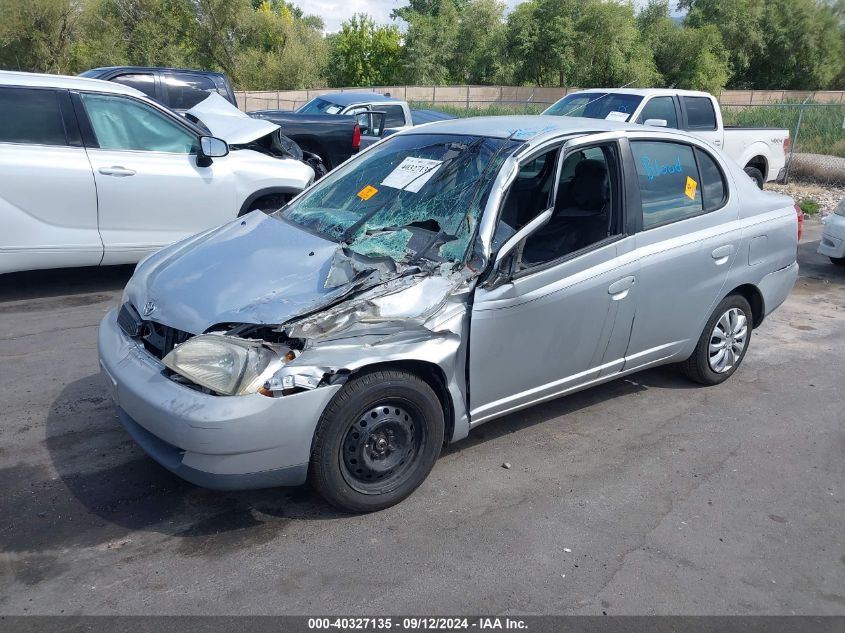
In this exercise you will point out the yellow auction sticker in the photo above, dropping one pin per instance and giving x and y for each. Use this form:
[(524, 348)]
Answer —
[(369, 191), (690, 190)]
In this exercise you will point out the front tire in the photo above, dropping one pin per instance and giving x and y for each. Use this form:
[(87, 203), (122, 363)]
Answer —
[(723, 343), (839, 261), (377, 441)]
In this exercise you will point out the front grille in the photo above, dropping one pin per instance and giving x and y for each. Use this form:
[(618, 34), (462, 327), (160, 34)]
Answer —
[(158, 339), (161, 339), (129, 320)]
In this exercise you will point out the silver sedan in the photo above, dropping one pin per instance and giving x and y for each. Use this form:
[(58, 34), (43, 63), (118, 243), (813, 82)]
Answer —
[(449, 275)]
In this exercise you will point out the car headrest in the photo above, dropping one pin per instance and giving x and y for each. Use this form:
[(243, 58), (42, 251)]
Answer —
[(590, 189)]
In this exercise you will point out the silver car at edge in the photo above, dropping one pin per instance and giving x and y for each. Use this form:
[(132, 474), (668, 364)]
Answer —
[(450, 274)]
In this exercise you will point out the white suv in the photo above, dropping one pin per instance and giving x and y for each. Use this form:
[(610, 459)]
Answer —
[(93, 172)]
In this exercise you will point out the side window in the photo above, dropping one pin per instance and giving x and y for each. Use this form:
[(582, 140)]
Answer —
[(145, 82), (186, 90), (660, 108), (395, 116), (713, 188), (584, 209), (700, 113), (528, 196), (31, 116), (121, 123), (670, 186)]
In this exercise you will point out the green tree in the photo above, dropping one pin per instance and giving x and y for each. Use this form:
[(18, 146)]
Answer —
[(773, 44), (541, 41), (692, 58), (38, 35), (136, 32), (740, 24), (430, 43), (584, 43), (480, 52), (803, 46), (278, 50), (610, 51), (363, 54)]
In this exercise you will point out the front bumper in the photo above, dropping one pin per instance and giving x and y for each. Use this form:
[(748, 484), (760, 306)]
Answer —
[(832, 243), (221, 442)]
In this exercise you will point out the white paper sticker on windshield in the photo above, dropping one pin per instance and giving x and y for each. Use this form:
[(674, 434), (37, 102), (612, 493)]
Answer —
[(617, 116), (333, 109), (411, 174)]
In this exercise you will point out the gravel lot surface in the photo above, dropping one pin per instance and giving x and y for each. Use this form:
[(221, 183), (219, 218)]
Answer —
[(828, 196), (645, 495)]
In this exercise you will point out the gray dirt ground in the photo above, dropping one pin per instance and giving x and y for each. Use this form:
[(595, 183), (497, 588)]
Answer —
[(673, 499)]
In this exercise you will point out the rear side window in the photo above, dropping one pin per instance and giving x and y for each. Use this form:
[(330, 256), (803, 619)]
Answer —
[(186, 90), (713, 189), (670, 186), (660, 108), (31, 116), (394, 116), (145, 82), (700, 113)]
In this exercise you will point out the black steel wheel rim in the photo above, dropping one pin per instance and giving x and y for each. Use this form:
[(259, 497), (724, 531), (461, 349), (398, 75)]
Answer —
[(381, 446)]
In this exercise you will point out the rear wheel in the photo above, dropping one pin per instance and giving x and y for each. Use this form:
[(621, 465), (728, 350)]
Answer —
[(377, 441), (756, 175), (723, 343), (839, 261)]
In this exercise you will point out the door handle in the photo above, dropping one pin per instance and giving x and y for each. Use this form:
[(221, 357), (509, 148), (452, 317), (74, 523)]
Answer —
[(619, 289), (722, 254), (116, 170)]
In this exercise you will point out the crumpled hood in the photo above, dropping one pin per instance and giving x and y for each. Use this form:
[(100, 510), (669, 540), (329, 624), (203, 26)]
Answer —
[(256, 269), (227, 122)]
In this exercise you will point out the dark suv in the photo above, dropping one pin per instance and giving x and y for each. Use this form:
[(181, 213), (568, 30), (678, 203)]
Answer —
[(177, 88)]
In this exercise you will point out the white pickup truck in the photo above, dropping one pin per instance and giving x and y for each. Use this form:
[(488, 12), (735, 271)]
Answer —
[(761, 152)]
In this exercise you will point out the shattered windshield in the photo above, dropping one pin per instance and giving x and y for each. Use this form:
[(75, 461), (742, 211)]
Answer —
[(412, 197)]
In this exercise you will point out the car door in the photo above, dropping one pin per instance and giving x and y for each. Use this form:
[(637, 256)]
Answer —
[(687, 245), (150, 190), (48, 201), (554, 325), (702, 119), (372, 126)]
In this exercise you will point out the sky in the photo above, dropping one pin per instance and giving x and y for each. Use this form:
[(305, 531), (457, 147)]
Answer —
[(335, 12)]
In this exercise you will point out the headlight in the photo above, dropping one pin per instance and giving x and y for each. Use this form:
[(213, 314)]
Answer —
[(225, 364)]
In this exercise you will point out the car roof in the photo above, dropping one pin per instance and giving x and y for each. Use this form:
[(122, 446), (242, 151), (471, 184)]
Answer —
[(645, 92), (39, 80), (350, 98), (105, 69), (521, 127)]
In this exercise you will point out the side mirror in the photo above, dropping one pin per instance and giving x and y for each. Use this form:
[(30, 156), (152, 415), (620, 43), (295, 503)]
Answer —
[(656, 122), (211, 147), (517, 238)]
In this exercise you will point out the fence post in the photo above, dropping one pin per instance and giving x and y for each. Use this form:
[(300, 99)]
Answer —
[(794, 144), (467, 98)]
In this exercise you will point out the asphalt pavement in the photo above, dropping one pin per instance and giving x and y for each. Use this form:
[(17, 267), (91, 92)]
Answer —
[(647, 495)]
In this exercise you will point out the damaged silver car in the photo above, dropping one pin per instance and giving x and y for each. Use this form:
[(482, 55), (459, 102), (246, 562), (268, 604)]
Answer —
[(449, 275)]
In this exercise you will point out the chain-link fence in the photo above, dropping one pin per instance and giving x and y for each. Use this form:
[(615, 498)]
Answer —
[(816, 130)]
